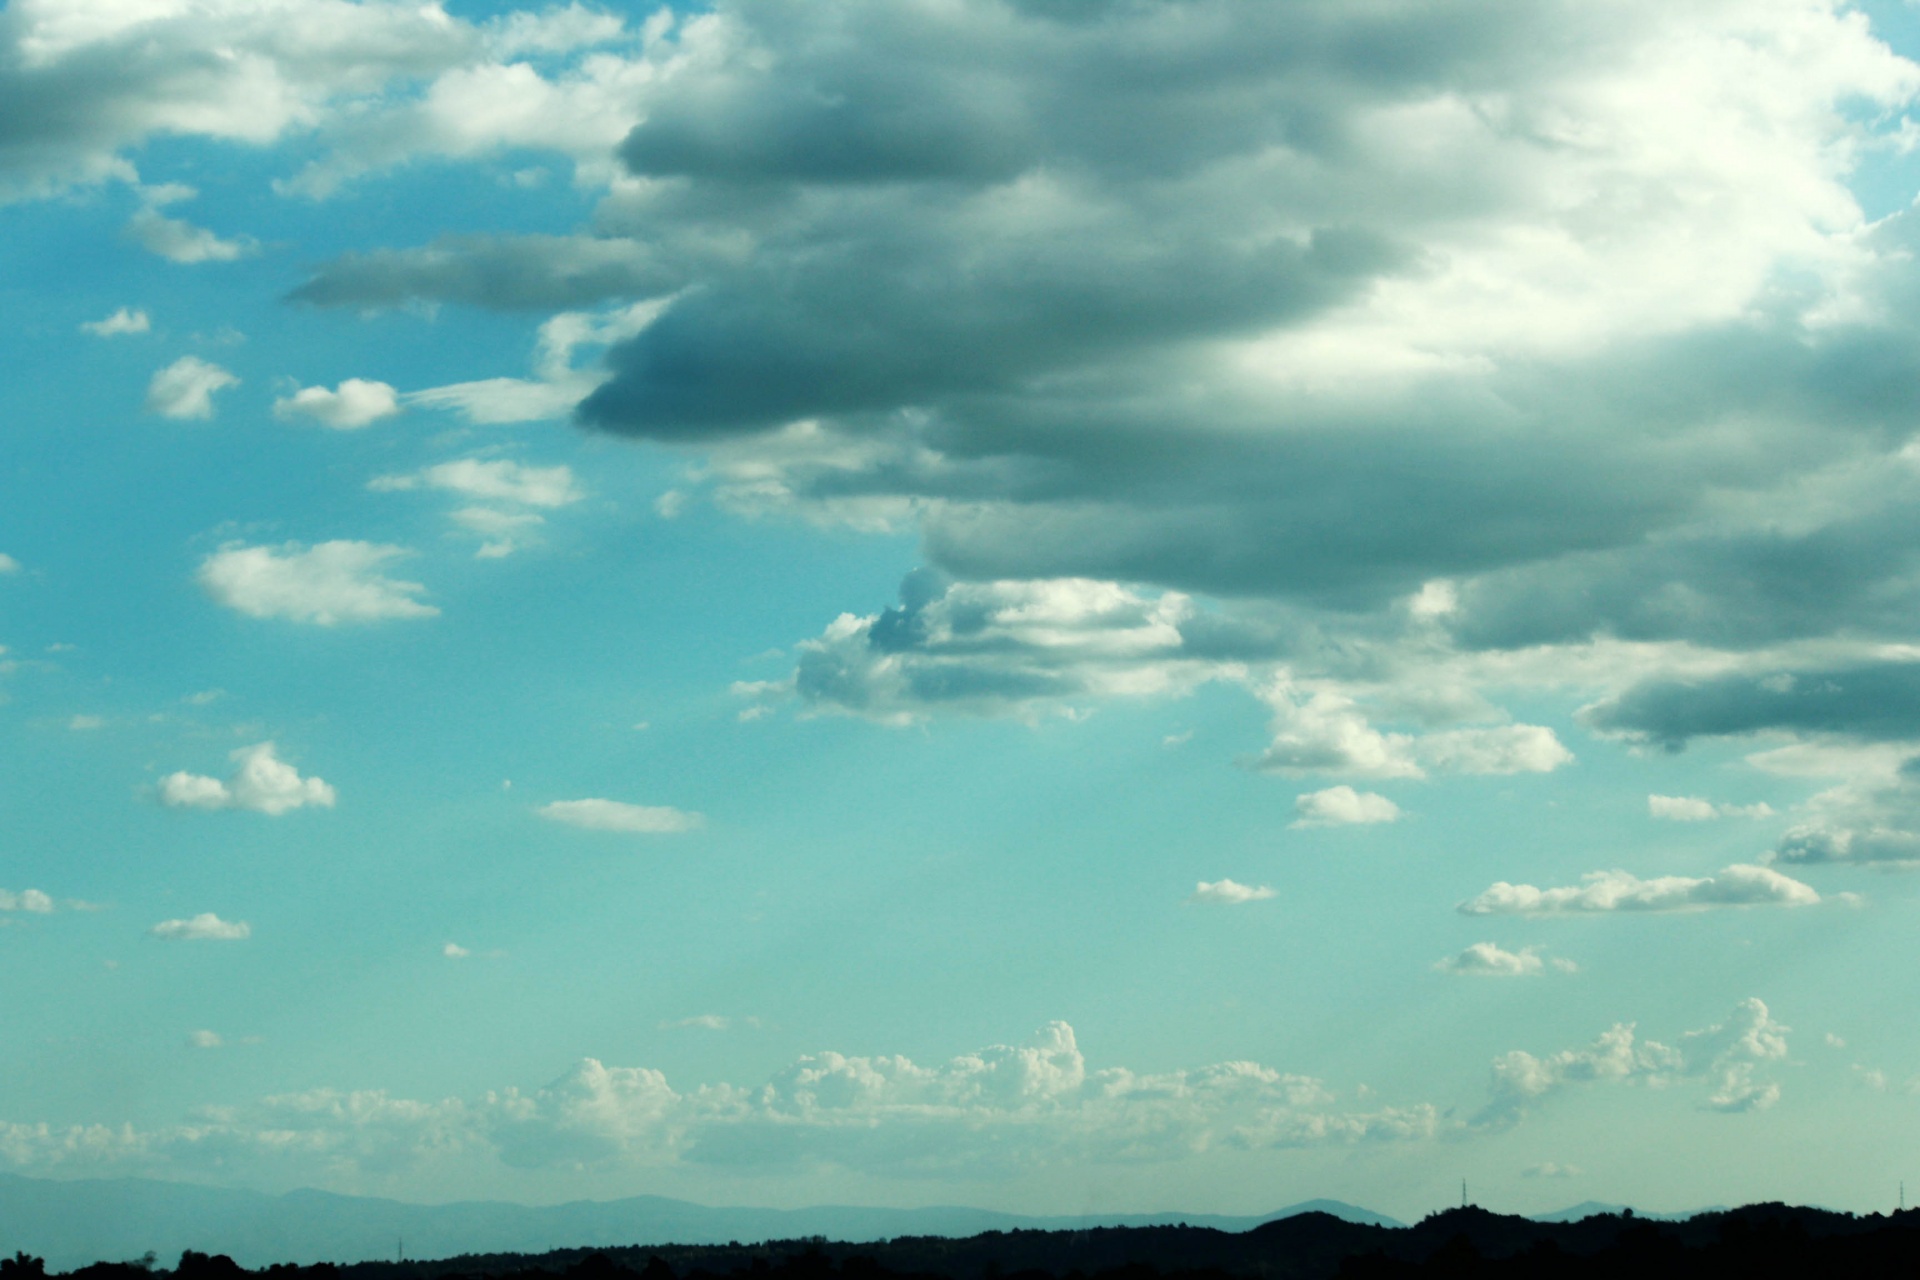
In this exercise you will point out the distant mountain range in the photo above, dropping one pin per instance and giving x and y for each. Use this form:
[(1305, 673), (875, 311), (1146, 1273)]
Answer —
[(1595, 1209), (71, 1223)]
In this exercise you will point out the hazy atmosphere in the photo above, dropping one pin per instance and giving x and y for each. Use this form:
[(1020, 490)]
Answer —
[(1050, 605)]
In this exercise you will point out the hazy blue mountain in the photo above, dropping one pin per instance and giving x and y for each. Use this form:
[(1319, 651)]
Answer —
[(71, 1223), (1594, 1208)]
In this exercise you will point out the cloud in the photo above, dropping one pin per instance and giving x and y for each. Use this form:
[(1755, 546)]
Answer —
[(263, 783), (1551, 1169), (558, 383), (205, 927), (1022, 649), (1486, 959), (8, 565), (30, 900), (85, 723), (325, 584), (179, 241), (701, 1022), (185, 388), (614, 815), (1694, 809), (124, 321), (454, 951), (534, 272), (1343, 806), (1323, 730), (1228, 893), (1602, 891), (1004, 1110), (205, 1039), (1728, 1057), (492, 479), (355, 403)]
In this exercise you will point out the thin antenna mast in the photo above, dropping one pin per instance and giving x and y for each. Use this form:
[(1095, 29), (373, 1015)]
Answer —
[(1463, 1193)]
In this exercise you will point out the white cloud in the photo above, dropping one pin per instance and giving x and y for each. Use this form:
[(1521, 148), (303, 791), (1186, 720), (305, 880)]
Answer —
[(1228, 892), (1694, 809), (185, 388), (558, 384), (84, 723), (205, 927), (1486, 959), (1021, 649), (454, 951), (327, 583), (1682, 808), (177, 240), (1739, 885), (355, 403), (1343, 806), (1727, 1057), (124, 321), (1551, 1169), (1002, 1110), (263, 783), (1324, 730), (1511, 748), (496, 480), (8, 564), (32, 900), (614, 815), (204, 1039)]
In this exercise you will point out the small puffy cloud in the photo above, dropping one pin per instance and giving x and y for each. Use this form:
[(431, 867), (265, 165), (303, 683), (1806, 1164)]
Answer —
[(1727, 1057), (1551, 1169), (1323, 730), (454, 951), (614, 815), (205, 927), (263, 783), (8, 564), (494, 480), (204, 1039), (324, 584), (124, 321), (1228, 893), (84, 723), (355, 403), (1682, 809), (185, 388), (177, 240), (1740, 885), (1872, 818), (1694, 809), (505, 531), (1486, 959), (1019, 649), (1503, 749), (31, 900), (180, 241), (1343, 806)]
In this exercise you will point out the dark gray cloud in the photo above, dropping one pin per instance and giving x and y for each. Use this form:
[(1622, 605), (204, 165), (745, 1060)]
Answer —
[(510, 273), (1873, 701)]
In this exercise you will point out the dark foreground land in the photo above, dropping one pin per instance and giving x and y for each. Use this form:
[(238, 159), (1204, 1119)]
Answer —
[(1757, 1241)]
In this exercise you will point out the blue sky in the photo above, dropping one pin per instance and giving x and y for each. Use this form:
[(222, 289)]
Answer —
[(1136, 605)]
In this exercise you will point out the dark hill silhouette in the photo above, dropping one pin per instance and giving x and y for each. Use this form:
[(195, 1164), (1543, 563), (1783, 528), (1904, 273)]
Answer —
[(1758, 1242)]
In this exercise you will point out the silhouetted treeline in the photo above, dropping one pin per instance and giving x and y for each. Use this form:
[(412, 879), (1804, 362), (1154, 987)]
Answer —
[(1755, 1243)]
